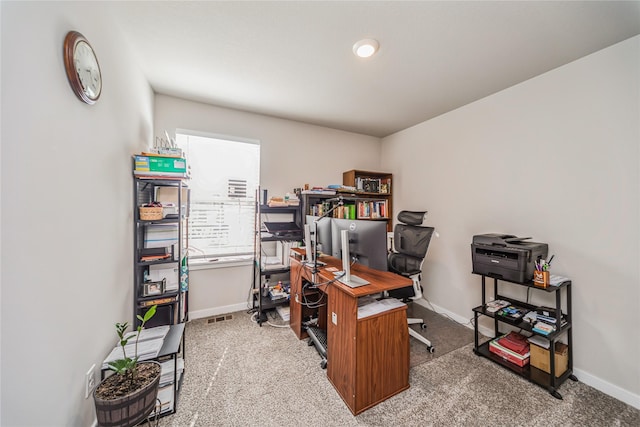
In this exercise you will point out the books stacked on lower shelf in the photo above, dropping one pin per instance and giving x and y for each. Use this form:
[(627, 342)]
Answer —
[(284, 311), (167, 386), (512, 347)]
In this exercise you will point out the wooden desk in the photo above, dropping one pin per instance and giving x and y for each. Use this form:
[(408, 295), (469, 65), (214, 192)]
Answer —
[(368, 358)]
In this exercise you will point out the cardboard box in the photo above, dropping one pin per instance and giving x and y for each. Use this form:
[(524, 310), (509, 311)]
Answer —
[(540, 358)]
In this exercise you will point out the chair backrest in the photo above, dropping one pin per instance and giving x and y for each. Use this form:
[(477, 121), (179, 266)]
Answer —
[(410, 242)]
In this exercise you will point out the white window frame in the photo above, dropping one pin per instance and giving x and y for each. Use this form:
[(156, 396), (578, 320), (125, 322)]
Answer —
[(197, 262)]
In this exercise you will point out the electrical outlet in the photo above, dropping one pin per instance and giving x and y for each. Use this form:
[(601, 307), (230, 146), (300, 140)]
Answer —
[(334, 318), (89, 381)]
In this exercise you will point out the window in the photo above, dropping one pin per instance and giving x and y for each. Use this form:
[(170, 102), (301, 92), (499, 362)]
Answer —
[(225, 175)]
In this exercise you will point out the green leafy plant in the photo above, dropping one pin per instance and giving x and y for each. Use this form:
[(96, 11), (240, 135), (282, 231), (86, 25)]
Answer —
[(127, 366)]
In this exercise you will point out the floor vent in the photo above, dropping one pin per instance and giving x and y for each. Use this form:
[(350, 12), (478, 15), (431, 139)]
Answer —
[(220, 318)]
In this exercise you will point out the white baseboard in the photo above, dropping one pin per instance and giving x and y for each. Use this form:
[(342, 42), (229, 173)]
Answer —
[(201, 314), (590, 380), (608, 388), (429, 306)]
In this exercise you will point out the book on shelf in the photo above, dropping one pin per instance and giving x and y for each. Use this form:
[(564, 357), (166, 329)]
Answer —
[(284, 311), (543, 328), (515, 341), (164, 400), (372, 209), (159, 175), (547, 311), (168, 368), (319, 190), (148, 258), (158, 301), (342, 188), (518, 358), (174, 155)]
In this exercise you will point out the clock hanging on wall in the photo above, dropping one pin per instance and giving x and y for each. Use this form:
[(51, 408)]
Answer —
[(83, 70)]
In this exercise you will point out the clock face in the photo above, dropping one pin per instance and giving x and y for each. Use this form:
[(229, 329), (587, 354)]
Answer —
[(86, 65), (83, 70)]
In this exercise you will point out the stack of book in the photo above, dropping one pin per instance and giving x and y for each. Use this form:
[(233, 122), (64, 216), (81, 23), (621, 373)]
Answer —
[(512, 347), (543, 328), (546, 322), (159, 166)]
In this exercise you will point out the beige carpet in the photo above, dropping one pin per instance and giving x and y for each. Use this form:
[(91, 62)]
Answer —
[(240, 374)]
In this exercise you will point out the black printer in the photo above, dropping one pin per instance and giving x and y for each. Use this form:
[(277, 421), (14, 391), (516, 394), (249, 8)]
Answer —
[(506, 257)]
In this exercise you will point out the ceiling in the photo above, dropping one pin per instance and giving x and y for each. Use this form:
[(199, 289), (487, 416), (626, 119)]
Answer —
[(294, 59)]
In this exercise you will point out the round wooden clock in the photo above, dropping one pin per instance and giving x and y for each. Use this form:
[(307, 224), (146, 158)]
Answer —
[(82, 67)]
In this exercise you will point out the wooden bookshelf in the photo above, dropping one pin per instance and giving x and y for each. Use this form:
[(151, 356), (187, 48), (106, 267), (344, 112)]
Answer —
[(374, 188)]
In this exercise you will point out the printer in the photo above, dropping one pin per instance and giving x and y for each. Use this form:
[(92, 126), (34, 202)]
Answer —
[(506, 257)]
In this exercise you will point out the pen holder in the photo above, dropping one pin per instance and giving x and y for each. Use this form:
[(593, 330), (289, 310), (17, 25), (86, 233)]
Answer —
[(541, 279)]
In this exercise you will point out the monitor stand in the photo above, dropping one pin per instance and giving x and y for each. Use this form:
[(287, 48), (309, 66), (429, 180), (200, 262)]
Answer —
[(353, 281), (345, 275)]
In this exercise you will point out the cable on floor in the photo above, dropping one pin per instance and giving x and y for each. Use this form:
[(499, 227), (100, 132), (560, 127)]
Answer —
[(470, 322)]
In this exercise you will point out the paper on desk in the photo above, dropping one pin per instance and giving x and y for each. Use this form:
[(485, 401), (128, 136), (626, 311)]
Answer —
[(379, 306)]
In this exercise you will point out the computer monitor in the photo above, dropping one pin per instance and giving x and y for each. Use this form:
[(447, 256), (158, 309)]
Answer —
[(309, 244), (324, 237), (367, 241)]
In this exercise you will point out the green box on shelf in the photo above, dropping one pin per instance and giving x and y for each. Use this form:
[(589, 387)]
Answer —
[(161, 164)]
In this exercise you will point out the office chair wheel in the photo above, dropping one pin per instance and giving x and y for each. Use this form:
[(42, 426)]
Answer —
[(431, 349), (309, 342), (323, 364), (423, 326)]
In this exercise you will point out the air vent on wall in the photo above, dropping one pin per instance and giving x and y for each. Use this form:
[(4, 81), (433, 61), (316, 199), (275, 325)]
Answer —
[(220, 318)]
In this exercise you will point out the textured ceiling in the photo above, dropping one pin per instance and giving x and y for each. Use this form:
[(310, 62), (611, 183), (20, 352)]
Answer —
[(294, 59)]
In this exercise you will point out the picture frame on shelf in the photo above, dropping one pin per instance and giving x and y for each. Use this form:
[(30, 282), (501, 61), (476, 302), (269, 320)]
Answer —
[(153, 288)]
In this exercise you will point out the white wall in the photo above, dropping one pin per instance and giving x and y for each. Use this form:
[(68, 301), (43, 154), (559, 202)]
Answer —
[(291, 154), (66, 209), (556, 158)]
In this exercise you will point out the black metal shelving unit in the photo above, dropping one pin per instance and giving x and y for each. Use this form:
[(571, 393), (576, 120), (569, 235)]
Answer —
[(261, 301), (172, 304), (537, 376), (169, 312)]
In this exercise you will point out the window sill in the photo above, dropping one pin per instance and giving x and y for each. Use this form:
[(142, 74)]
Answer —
[(206, 264)]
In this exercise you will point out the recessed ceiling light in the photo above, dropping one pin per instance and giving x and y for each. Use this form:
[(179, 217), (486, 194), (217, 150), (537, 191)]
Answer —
[(365, 48)]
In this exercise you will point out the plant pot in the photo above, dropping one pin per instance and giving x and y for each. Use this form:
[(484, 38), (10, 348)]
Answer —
[(130, 409)]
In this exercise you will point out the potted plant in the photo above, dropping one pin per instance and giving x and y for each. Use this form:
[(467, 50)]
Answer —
[(127, 397)]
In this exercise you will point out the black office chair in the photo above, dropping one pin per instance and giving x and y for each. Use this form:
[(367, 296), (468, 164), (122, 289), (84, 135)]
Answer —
[(410, 244)]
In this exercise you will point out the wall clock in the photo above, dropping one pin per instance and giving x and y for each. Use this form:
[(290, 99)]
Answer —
[(82, 67)]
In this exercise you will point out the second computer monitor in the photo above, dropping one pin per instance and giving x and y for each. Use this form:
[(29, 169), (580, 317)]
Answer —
[(324, 237), (367, 241)]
